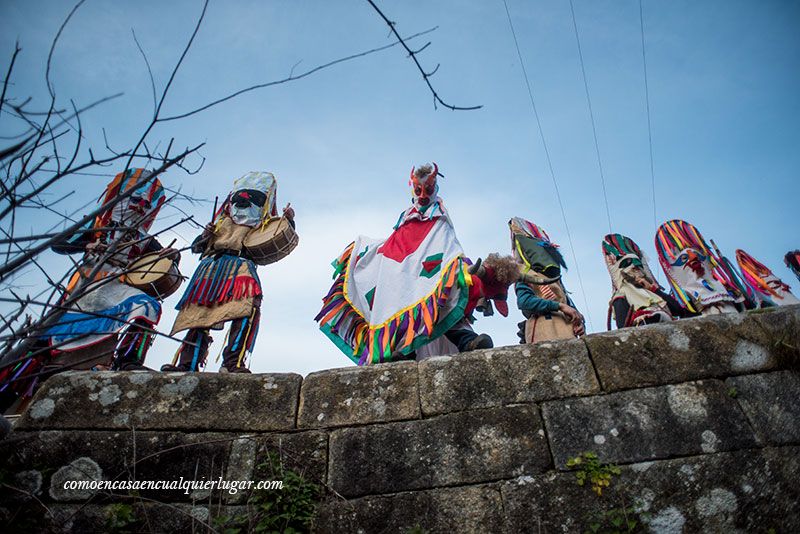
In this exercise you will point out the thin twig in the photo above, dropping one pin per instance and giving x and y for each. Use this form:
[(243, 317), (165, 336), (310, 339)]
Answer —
[(413, 55)]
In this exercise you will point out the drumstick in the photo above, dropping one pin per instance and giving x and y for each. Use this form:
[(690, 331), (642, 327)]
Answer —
[(214, 213)]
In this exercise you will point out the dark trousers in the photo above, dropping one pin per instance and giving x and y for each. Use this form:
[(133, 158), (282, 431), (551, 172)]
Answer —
[(194, 350), (460, 337)]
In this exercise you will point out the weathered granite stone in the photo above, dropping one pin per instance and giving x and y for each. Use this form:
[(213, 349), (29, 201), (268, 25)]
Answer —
[(647, 424), (61, 456), (359, 395), (467, 509), (266, 457), (158, 401), (460, 448), (5, 427), (743, 491), (127, 516), (770, 402), (700, 347), (507, 375)]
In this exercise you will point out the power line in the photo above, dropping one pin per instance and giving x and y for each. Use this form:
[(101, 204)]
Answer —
[(591, 115), (649, 128), (549, 162)]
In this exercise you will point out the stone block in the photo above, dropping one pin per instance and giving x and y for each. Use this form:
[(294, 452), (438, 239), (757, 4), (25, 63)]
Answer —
[(359, 395), (267, 456), (646, 424), (461, 448), (124, 516), (507, 375), (44, 461), (742, 491), (770, 402), (690, 349), (466, 509), (165, 401)]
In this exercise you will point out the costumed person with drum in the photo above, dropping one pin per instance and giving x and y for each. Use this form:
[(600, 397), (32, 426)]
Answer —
[(638, 299), (792, 261), (113, 319), (225, 287), (702, 280), (541, 297), (769, 289), (393, 296)]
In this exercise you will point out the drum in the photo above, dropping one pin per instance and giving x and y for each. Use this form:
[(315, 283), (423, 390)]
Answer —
[(156, 275), (270, 243)]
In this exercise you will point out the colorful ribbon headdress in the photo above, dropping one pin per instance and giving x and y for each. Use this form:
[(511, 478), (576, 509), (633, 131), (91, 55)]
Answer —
[(676, 235), (532, 246), (756, 274), (148, 193), (627, 252)]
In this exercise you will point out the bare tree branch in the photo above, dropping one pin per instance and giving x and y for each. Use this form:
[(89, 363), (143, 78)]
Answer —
[(413, 55), (292, 77), (17, 50), (149, 70), (53, 48)]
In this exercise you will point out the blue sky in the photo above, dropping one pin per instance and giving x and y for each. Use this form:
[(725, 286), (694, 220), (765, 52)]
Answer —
[(724, 81)]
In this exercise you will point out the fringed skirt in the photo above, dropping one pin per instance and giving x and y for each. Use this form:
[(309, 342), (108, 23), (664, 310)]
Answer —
[(222, 289)]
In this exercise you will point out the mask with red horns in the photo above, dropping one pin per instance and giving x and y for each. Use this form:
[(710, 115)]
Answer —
[(424, 188)]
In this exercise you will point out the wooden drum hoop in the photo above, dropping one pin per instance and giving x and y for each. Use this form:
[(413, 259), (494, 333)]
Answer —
[(155, 275), (271, 242)]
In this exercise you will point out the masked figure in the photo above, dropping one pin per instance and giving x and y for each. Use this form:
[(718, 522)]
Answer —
[(638, 298), (225, 287), (792, 261), (111, 322), (770, 289), (393, 296), (542, 298), (703, 282)]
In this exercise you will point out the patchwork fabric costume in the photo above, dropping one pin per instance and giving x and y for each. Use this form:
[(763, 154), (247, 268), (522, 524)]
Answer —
[(111, 320), (225, 287), (392, 296), (792, 261), (637, 297), (539, 302), (704, 282), (770, 290)]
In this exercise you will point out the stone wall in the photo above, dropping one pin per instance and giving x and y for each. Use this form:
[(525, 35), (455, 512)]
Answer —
[(701, 416)]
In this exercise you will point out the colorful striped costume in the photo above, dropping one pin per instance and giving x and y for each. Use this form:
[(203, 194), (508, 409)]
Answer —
[(392, 296), (540, 302), (225, 286), (637, 298), (109, 325), (702, 279), (770, 290)]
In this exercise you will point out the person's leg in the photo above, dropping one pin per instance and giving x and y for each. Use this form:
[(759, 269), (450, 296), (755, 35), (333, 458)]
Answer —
[(241, 339), (132, 348), (466, 339), (193, 352)]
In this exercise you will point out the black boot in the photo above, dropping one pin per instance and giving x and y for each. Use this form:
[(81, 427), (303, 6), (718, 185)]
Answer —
[(482, 341)]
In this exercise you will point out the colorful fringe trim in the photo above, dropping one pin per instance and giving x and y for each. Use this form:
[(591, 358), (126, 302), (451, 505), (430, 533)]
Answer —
[(217, 281), (405, 331)]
